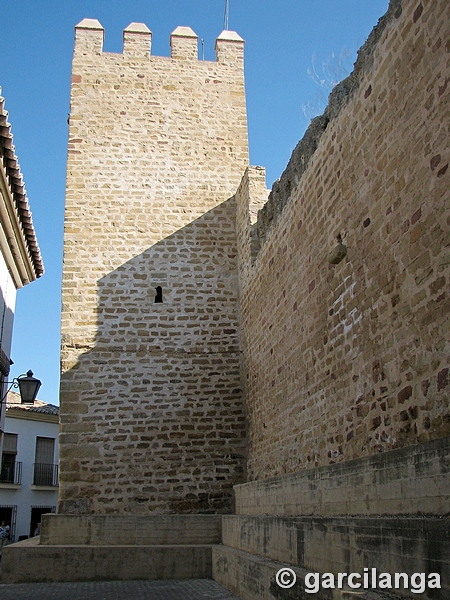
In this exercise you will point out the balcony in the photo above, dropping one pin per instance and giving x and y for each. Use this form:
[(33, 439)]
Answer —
[(45, 475), (11, 473)]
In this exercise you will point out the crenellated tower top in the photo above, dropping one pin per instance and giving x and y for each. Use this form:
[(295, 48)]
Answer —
[(137, 40)]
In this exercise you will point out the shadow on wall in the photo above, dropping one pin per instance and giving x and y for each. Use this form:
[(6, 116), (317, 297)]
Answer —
[(152, 416)]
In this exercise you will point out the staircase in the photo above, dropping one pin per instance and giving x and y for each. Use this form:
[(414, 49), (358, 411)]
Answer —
[(112, 547), (255, 548), (387, 512)]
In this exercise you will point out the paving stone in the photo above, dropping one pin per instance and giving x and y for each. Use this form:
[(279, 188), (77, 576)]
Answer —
[(193, 589)]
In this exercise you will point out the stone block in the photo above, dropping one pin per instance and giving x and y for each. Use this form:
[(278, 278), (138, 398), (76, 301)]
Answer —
[(27, 563)]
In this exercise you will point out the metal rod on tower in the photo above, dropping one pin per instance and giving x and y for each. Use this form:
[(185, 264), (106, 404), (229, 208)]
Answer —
[(225, 19)]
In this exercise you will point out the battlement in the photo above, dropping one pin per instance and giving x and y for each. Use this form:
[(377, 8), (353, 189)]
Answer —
[(137, 41)]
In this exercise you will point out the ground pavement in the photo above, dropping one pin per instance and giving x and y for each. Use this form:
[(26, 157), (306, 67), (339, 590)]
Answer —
[(190, 589)]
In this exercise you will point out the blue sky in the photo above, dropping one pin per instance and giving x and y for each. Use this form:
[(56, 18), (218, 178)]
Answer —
[(286, 40)]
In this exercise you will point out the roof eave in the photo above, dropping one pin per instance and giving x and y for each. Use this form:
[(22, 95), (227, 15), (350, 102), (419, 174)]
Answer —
[(17, 235)]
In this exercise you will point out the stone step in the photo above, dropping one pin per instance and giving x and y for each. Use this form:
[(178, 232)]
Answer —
[(389, 544), (151, 530), (29, 561), (347, 544), (414, 480), (254, 578)]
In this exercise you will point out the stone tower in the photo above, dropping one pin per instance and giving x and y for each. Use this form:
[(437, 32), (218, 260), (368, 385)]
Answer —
[(152, 413)]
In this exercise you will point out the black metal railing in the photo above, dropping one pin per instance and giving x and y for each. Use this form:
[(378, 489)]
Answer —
[(11, 473), (45, 474)]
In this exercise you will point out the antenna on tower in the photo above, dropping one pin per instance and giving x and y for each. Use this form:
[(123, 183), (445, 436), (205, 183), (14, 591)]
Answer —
[(225, 18)]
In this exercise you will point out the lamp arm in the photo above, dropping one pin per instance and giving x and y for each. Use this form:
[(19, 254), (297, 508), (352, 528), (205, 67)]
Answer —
[(13, 384)]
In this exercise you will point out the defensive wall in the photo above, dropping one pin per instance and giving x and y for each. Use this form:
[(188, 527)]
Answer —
[(152, 412), (344, 279), (344, 275)]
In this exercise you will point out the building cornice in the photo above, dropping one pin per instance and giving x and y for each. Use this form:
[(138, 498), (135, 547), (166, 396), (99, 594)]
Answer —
[(17, 235), (18, 413)]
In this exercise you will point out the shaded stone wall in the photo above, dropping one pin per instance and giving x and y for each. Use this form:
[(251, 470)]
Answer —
[(152, 415), (408, 481), (345, 308)]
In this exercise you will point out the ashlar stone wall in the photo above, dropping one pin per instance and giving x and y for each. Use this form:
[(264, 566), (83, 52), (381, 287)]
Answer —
[(345, 307), (152, 413)]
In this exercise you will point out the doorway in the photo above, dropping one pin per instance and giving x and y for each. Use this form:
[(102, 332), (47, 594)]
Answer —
[(36, 514), (9, 514)]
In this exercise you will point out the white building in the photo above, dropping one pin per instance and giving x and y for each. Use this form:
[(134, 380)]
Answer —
[(20, 257), (29, 466)]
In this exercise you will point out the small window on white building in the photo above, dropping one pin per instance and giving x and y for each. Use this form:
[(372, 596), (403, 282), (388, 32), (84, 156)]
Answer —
[(44, 469), (8, 471)]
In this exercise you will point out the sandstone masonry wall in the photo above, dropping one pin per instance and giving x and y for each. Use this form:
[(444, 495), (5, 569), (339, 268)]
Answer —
[(152, 414), (345, 308)]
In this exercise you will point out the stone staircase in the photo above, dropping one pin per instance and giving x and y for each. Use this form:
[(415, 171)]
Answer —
[(242, 553), (255, 548), (387, 512), (402, 505), (112, 547)]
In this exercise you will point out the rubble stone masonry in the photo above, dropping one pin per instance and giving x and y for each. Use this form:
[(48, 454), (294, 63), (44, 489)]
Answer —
[(152, 413), (345, 307), (326, 303)]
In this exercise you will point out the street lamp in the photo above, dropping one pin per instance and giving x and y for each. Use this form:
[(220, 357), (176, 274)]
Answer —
[(28, 387)]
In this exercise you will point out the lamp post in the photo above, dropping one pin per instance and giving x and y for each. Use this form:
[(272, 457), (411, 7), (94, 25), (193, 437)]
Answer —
[(28, 387)]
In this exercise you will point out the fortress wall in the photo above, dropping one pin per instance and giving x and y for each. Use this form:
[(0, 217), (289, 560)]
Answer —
[(348, 359), (152, 415)]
